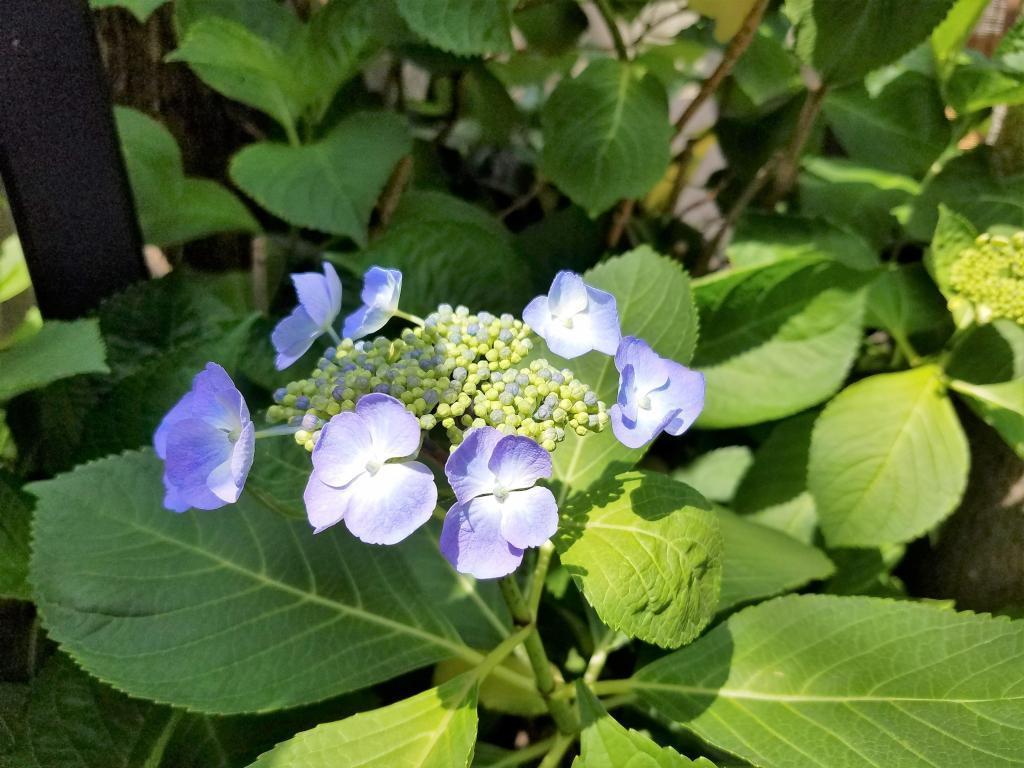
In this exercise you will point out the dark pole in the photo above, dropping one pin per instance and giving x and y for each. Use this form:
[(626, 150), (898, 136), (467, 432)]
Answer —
[(60, 159)]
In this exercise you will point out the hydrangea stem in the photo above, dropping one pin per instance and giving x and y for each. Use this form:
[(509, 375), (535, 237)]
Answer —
[(558, 749), (284, 429), (414, 319), (334, 335), (561, 711)]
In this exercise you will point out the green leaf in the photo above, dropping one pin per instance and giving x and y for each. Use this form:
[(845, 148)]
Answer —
[(888, 459), (763, 239), (844, 41), (716, 474), (15, 516), (606, 744), (173, 208), (606, 134), (905, 302), (332, 184), (760, 562), (849, 682), (238, 610), (903, 129), (264, 18), (953, 234), (765, 77), (14, 277), (980, 83), (244, 66), (949, 38), (461, 26), (140, 9), (434, 729), (968, 185), (776, 340), (855, 196), (1001, 406), (774, 491), (655, 303), (450, 251), (70, 718), (647, 554), (987, 368), (59, 350)]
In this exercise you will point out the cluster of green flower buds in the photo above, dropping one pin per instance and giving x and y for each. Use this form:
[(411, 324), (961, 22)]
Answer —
[(457, 371), (988, 278)]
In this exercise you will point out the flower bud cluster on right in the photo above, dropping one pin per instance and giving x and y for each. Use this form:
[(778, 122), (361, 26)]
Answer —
[(474, 382), (988, 279)]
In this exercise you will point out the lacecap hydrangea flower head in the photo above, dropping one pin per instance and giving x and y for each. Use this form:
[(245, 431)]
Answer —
[(988, 279), (471, 392)]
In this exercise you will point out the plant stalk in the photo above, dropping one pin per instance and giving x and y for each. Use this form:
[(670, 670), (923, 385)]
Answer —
[(613, 28), (561, 711)]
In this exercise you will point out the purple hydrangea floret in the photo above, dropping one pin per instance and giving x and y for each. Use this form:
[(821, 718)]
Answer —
[(499, 510), (319, 305), (381, 290), (575, 318), (655, 395), (356, 477), (206, 442)]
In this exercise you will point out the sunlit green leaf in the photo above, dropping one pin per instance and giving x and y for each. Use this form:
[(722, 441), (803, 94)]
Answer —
[(59, 350)]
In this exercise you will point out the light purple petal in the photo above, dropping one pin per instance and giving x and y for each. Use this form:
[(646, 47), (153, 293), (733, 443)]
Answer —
[(173, 500), (519, 462), (603, 320), (181, 411), (684, 393), (650, 369), (343, 450), (292, 336), (467, 468), (325, 505), (569, 342), (529, 518), (242, 454), (627, 398), (394, 431), (636, 433), (568, 294), (213, 377), (472, 541), (319, 295), (389, 505), (195, 451), (364, 321), (382, 288), (537, 315)]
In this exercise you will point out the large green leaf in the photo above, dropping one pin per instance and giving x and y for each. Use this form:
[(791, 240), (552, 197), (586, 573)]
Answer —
[(774, 491), (606, 134), (15, 517), (902, 129), (434, 729), (332, 184), (461, 26), (1000, 405), (762, 239), (848, 682), (949, 38), (173, 208), (606, 744), (647, 554), (760, 562), (968, 185), (844, 41), (228, 611), (776, 340), (140, 9), (905, 302), (59, 350), (245, 66), (450, 252), (655, 303), (888, 459), (980, 83), (855, 196), (953, 233)]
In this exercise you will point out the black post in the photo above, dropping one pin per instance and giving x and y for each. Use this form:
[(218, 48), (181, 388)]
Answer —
[(60, 159)]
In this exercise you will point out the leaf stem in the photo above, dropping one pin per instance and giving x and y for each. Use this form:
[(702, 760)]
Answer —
[(599, 657), (613, 28), (503, 649), (789, 161), (558, 749), (612, 687), (540, 574), (563, 713)]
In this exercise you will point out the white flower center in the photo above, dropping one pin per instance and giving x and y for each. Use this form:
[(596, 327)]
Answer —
[(373, 466), (644, 402), (500, 493)]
